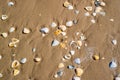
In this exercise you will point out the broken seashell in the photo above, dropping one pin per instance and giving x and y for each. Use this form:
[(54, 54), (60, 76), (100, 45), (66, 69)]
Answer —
[(102, 3), (77, 61), (1, 75), (60, 73), (61, 65), (79, 71), (70, 67), (55, 43), (4, 17), (87, 14), (63, 45), (53, 25), (67, 56), (88, 8), (117, 78), (37, 59), (11, 3), (44, 30), (72, 52), (93, 21), (15, 64), (4, 34), (96, 57), (12, 44), (62, 27), (69, 23), (16, 72), (98, 9), (12, 29), (15, 40), (79, 43), (70, 7), (23, 60), (66, 4), (77, 11), (57, 32), (113, 64), (76, 78), (63, 33), (26, 30), (114, 42)]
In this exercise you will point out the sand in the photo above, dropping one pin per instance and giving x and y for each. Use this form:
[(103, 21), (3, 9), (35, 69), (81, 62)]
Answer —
[(34, 14)]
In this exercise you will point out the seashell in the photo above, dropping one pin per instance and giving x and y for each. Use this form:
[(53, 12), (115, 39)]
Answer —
[(4, 34), (70, 7), (112, 20), (23, 60), (82, 37), (72, 52), (94, 14), (112, 64), (0, 57), (88, 8), (57, 32), (66, 4), (44, 30), (55, 43), (96, 57), (63, 33), (102, 3), (63, 45), (75, 21), (26, 30), (4, 17), (15, 40), (16, 72), (87, 14), (77, 11), (76, 78), (11, 3), (37, 59), (33, 49), (55, 76), (62, 27), (102, 13), (79, 43), (114, 42), (12, 29), (69, 23), (12, 44), (117, 78), (15, 64), (1, 75), (61, 65), (93, 21), (79, 71), (53, 25), (70, 67), (77, 61), (60, 73), (98, 9), (78, 47), (67, 56)]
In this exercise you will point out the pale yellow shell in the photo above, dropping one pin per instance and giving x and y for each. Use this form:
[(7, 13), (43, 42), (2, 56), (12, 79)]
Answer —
[(16, 72), (15, 64), (79, 71), (61, 65), (66, 4), (96, 57)]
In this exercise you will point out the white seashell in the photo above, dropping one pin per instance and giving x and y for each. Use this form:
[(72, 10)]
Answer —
[(1, 75), (55, 76), (67, 56), (12, 29), (79, 71), (117, 78), (82, 37), (62, 27), (69, 23), (77, 61), (112, 64), (102, 3), (55, 43), (98, 9), (102, 13), (53, 25), (61, 65), (114, 42), (11, 3), (0, 57), (76, 78), (4, 34), (15, 64), (37, 59), (93, 21), (23, 60), (4, 17), (78, 47), (87, 14), (70, 7), (72, 52), (26, 30), (66, 4), (88, 8), (33, 49), (94, 14), (63, 33), (77, 11), (112, 20), (44, 30)]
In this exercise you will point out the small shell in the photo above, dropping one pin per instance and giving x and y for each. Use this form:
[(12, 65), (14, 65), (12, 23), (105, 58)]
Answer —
[(102, 13), (44, 30), (33, 49), (15, 40), (23, 60), (77, 61), (55, 76), (98, 9), (117, 78), (70, 7), (72, 52), (79, 71), (4, 34), (11, 3), (94, 14), (70, 67), (82, 37), (61, 65), (55, 43), (63, 45), (69, 23), (4, 17), (76, 78), (93, 21), (102, 3), (66, 4), (77, 11), (0, 57), (15, 64), (63, 33), (1, 75), (88, 8), (60, 73), (114, 42), (57, 32), (37, 59), (79, 43), (26, 30), (87, 14), (112, 64), (62, 27), (16, 72), (67, 56), (12, 29), (96, 57), (12, 44), (53, 25)]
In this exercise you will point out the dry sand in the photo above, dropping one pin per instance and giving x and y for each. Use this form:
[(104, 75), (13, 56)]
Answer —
[(34, 14)]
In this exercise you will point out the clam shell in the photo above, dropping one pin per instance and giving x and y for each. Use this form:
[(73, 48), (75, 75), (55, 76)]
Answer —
[(12, 29), (69, 23), (79, 71), (4, 17), (4, 34), (44, 30), (55, 43), (76, 78), (15, 64), (23, 60), (16, 72), (26, 30)]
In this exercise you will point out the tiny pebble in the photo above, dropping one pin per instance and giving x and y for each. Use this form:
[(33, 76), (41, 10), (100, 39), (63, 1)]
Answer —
[(53, 25), (76, 78), (77, 61), (69, 23), (4, 34), (112, 20), (26, 30), (12, 29), (93, 21), (114, 42), (44, 30), (11, 3), (23, 60), (55, 43)]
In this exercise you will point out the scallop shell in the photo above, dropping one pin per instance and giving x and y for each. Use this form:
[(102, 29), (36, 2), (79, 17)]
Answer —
[(4, 34), (15, 64), (16, 72)]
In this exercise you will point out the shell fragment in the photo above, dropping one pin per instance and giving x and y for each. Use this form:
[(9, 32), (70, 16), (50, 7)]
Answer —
[(4, 34), (55, 43), (26, 30)]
